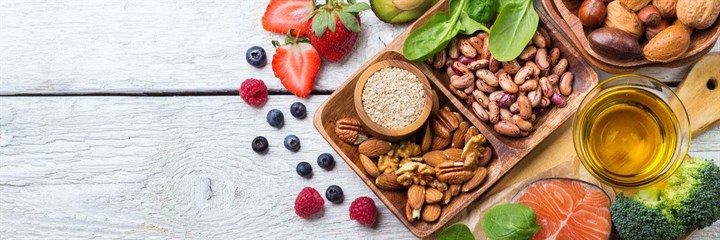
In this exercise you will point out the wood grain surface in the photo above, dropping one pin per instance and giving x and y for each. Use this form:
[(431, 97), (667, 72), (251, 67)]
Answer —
[(111, 165)]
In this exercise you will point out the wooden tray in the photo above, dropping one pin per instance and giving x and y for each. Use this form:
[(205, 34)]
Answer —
[(564, 14), (508, 151)]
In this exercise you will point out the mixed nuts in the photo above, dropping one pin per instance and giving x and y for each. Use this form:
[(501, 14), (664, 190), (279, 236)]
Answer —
[(449, 158), (509, 95)]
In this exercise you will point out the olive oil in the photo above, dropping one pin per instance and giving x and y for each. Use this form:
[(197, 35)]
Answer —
[(630, 136)]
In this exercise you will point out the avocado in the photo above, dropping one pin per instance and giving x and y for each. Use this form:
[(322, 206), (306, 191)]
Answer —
[(389, 12)]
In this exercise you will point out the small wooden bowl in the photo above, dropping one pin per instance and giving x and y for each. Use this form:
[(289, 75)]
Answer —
[(393, 134), (564, 14)]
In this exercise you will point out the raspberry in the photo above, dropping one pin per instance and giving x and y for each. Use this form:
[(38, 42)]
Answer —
[(254, 92), (364, 211), (308, 202)]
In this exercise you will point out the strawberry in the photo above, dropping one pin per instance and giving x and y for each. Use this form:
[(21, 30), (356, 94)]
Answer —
[(296, 63), (335, 28), (283, 15)]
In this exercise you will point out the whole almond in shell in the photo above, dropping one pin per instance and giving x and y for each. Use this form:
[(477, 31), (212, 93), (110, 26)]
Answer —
[(388, 182), (698, 14), (427, 139), (668, 45), (431, 212), (435, 158), (374, 147), (416, 196), (369, 166), (433, 195), (619, 17), (475, 181), (458, 139), (634, 5)]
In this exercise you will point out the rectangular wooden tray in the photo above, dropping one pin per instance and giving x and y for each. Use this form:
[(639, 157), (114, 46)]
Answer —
[(508, 151)]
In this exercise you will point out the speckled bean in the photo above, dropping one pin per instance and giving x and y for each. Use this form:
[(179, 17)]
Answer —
[(541, 60), (480, 112), (523, 74), (507, 84), (560, 67), (481, 98), (494, 112), (522, 123), (466, 49), (525, 106), (507, 128), (566, 82), (511, 67)]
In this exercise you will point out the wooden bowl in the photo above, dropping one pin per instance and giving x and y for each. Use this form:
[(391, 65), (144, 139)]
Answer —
[(377, 130), (564, 14), (507, 152)]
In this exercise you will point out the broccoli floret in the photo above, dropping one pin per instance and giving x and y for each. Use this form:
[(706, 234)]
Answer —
[(693, 193), (644, 216)]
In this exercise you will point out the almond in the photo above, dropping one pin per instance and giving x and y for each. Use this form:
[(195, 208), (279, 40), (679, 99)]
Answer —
[(458, 139), (455, 177), (439, 129), (439, 143), (433, 195), (374, 147), (369, 166), (388, 182), (454, 189), (416, 196), (454, 154), (476, 180), (427, 139), (410, 213), (431, 212), (447, 196), (434, 158)]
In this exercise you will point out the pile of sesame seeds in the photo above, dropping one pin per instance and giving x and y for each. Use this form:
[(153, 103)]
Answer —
[(393, 97)]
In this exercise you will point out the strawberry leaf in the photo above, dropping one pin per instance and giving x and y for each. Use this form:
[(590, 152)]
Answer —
[(349, 21), (331, 22), (320, 23), (356, 8)]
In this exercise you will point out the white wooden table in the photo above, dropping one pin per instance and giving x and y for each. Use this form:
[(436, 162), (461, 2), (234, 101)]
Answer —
[(120, 119)]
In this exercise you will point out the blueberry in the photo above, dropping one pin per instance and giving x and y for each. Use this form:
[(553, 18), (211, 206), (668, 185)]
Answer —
[(298, 110), (304, 169), (326, 161), (292, 143), (256, 57), (260, 144), (334, 194), (275, 118)]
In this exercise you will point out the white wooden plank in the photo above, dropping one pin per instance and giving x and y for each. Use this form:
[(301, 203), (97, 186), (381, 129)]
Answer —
[(129, 46), (174, 167)]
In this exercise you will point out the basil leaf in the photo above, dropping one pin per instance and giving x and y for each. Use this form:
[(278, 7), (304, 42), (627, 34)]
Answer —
[(457, 231), (482, 11), (514, 28), (349, 21), (356, 8), (510, 221), (430, 38)]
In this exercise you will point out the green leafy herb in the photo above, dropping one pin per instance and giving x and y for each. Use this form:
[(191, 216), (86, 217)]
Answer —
[(482, 10), (510, 222), (435, 34), (513, 29), (457, 231)]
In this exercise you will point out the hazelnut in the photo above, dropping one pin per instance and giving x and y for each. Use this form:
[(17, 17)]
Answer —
[(650, 16), (592, 13), (650, 32)]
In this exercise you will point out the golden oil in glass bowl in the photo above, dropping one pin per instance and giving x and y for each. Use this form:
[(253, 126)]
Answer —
[(630, 132)]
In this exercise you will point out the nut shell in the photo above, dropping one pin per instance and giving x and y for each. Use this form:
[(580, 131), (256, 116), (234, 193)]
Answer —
[(666, 8), (668, 45), (619, 17), (698, 14), (634, 5)]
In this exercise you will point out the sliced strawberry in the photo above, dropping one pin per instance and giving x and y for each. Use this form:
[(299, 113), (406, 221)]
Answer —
[(296, 63), (283, 15)]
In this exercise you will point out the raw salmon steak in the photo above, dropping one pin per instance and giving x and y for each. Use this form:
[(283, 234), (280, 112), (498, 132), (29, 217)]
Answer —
[(568, 209)]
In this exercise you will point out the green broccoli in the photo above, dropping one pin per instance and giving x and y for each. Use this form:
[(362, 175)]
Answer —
[(644, 216), (693, 193)]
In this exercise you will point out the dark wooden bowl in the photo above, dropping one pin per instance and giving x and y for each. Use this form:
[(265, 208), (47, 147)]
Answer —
[(564, 14), (507, 151)]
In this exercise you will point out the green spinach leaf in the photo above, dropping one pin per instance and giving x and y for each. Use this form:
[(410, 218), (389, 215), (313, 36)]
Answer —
[(430, 38), (510, 222), (457, 231), (482, 11), (513, 29)]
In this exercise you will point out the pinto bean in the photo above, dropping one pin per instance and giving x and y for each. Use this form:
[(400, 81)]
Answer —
[(536, 69), (511, 67), (481, 98), (477, 64), (462, 82), (505, 114), (507, 84), (539, 40), (525, 106), (482, 86), (541, 60), (494, 111), (522, 123), (450, 72), (470, 89), (439, 60), (553, 79), (535, 97), (454, 49), (480, 112), (514, 108), (547, 88), (477, 43), (507, 128), (494, 65), (560, 67), (528, 53), (558, 99), (496, 95), (466, 49), (457, 92), (507, 99), (545, 102), (566, 82), (523, 74), (554, 56), (487, 76), (546, 36), (529, 85), (485, 53)]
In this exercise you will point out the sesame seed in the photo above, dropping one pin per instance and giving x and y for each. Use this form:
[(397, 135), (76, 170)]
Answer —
[(393, 97)]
